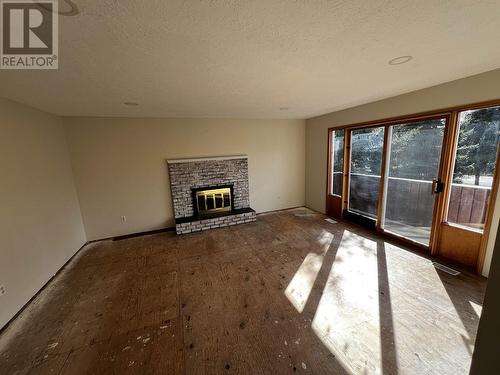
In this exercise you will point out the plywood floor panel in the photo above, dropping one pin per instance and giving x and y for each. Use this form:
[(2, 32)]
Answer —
[(290, 293)]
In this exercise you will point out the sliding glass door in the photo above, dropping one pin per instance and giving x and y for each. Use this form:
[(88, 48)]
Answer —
[(428, 179), (405, 163), (413, 155), (365, 170)]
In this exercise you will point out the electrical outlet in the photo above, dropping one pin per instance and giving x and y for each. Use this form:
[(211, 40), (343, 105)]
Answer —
[(124, 219), (2, 290)]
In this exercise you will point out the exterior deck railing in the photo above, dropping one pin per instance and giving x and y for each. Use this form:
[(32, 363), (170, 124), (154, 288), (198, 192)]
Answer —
[(410, 200)]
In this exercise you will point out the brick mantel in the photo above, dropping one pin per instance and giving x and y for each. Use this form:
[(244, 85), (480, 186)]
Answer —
[(186, 174)]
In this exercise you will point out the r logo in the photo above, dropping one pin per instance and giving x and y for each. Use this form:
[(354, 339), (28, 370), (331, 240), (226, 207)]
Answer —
[(27, 28), (29, 34)]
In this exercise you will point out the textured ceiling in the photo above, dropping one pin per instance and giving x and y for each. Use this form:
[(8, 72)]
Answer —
[(246, 58)]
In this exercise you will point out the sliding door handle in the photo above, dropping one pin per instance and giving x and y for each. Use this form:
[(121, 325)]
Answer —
[(437, 186)]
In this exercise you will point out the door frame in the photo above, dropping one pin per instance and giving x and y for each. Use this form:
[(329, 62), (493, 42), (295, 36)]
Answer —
[(384, 174), (438, 199), (334, 203), (443, 211), (445, 172)]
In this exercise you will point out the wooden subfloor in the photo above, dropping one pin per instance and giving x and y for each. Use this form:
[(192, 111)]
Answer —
[(288, 293)]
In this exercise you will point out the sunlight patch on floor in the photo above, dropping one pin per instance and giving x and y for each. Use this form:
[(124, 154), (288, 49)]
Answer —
[(300, 286), (477, 308), (347, 317), (443, 333), (385, 310)]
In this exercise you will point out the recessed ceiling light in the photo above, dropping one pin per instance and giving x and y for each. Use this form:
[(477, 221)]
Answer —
[(131, 104), (284, 108), (400, 60), (70, 9)]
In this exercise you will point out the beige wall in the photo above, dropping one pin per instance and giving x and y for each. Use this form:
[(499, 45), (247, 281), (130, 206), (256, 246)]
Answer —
[(485, 359), (120, 165), (469, 90), (40, 221), (493, 234)]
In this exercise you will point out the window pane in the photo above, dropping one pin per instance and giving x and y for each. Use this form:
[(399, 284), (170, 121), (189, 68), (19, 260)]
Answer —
[(338, 161), (414, 158), (474, 167), (366, 158)]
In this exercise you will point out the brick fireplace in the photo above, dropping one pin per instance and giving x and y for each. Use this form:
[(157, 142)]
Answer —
[(210, 192)]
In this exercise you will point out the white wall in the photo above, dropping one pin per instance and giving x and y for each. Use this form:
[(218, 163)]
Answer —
[(40, 222), (120, 165), (473, 89)]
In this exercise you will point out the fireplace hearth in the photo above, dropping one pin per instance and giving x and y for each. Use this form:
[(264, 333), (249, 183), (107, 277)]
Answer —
[(210, 192)]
